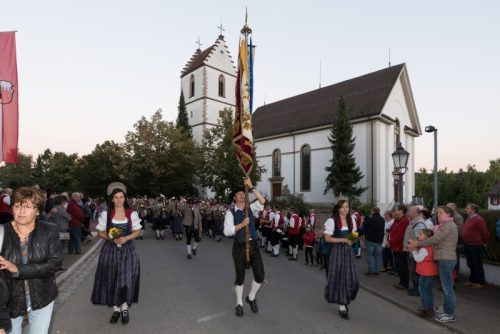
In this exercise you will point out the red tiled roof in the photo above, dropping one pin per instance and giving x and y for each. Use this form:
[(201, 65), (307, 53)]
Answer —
[(196, 60), (364, 96), (495, 191)]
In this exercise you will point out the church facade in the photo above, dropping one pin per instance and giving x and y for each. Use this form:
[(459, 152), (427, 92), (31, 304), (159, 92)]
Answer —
[(291, 137), (207, 81)]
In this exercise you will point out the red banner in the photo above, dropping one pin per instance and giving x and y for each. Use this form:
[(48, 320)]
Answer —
[(9, 92)]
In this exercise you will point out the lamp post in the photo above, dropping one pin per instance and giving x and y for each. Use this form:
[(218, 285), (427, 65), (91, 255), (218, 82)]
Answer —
[(400, 158), (430, 129)]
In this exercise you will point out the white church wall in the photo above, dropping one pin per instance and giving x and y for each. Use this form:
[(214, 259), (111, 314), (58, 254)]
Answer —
[(221, 59), (213, 86)]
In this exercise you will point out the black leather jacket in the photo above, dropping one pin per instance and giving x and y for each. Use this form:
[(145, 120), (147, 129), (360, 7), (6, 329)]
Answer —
[(4, 299), (44, 259)]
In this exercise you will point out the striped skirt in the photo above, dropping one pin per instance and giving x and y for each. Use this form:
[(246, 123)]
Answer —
[(342, 283), (117, 276)]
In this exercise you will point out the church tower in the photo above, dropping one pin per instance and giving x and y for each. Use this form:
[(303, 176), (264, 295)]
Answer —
[(208, 82)]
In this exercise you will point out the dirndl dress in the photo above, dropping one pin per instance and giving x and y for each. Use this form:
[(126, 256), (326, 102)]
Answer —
[(117, 276), (342, 283)]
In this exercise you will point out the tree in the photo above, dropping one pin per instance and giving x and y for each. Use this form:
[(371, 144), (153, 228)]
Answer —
[(56, 171), (343, 174), (18, 174), (104, 165), (160, 158), (221, 169), (182, 117)]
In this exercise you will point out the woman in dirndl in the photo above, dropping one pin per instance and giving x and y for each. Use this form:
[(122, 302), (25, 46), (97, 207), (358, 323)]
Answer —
[(117, 276), (342, 283)]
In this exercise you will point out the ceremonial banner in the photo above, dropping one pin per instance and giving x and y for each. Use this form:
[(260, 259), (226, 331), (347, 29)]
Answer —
[(243, 137), (8, 98)]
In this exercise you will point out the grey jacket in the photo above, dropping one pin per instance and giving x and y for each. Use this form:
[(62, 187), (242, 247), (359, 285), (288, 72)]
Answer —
[(444, 242), (189, 214)]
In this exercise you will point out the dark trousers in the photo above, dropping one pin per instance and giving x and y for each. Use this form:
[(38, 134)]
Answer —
[(190, 233), (239, 259), (401, 265), (475, 256), (387, 258), (309, 254), (75, 235), (412, 269)]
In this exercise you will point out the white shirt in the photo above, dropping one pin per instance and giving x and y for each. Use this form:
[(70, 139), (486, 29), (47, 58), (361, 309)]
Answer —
[(291, 222), (6, 199), (420, 255), (312, 220), (103, 218), (330, 226), (229, 227)]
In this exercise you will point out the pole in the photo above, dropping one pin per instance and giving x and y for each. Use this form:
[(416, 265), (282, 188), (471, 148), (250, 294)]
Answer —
[(435, 177), (401, 202), (247, 231)]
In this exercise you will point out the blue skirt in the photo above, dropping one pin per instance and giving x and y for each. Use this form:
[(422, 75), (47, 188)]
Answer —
[(117, 276), (177, 226), (342, 283)]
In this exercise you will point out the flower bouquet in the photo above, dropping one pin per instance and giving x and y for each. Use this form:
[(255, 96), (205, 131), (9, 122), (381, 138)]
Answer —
[(114, 233), (353, 236)]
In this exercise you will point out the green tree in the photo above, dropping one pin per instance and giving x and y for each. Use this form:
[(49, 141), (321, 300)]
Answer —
[(160, 157), (221, 170), (56, 171), (18, 174), (182, 117), (343, 174), (106, 164)]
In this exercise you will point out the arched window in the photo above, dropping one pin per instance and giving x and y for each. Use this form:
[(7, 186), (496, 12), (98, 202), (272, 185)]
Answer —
[(397, 134), (191, 86), (222, 86), (276, 162), (305, 168)]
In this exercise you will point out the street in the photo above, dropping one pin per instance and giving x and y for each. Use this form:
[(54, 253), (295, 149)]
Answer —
[(197, 296)]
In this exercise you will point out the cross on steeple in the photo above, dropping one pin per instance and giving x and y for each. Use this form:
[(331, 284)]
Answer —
[(199, 43), (221, 29)]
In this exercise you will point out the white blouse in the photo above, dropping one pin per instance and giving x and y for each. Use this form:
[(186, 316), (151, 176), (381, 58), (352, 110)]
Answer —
[(103, 217), (330, 226)]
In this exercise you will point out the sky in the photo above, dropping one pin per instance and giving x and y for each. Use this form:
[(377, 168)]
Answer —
[(88, 70)]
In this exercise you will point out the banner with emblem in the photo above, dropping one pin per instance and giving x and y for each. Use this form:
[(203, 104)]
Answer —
[(8, 98), (243, 137)]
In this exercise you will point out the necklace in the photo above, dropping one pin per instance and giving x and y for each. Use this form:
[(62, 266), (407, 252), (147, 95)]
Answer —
[(22, 236)]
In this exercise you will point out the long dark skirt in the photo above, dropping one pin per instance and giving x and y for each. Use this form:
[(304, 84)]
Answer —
[(342, 283), (177, 226), (117, 276)]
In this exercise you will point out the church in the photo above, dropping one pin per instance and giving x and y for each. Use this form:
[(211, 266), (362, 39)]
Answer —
[(291, 135)]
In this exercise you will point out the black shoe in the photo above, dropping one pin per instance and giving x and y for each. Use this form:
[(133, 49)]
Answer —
[(238, 311), (194, 251), (274, 255), (292, 259), (125, 317), (189, 257), (413, 293), (114, 318), (344, 314), (253, 304)]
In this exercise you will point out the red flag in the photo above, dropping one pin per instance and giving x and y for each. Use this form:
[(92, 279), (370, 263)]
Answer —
[(8, 97)]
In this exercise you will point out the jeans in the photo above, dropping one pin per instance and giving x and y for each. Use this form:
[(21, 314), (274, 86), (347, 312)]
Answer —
[(374, 256), (425, 290), (414, 276), (75, 237), (39, 321), (474, 256), (446, 268)]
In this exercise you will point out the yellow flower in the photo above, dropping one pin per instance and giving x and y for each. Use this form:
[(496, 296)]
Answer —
[(355, 234), (114, 233)]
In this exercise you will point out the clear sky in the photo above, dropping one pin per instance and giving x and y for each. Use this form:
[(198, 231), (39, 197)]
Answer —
[(88, 70)]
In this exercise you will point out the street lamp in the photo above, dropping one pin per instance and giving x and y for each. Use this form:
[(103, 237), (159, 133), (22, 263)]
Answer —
[(400, 157), (430, 129)]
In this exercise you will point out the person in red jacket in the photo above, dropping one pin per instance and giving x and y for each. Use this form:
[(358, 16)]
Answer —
[(475, 236), (294, 233), (396, 237), (309, 236), (75, 224)]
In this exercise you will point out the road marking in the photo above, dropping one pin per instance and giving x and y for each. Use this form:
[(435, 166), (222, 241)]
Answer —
[(210, 317)]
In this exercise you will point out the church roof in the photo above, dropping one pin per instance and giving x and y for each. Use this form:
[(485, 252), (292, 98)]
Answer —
[(495, 191), (199, 58), (365, 96)]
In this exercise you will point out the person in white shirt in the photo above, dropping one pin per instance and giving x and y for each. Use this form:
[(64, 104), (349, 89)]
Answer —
[(234, 224)]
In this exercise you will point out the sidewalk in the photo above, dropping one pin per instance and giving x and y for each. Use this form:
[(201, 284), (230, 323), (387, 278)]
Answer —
[(477, 309)]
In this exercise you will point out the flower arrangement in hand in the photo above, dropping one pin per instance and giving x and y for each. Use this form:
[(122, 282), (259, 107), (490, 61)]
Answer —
[(353, 236), (114, 233)]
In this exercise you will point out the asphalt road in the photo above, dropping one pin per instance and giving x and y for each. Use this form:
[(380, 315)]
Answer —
[(197, 296)]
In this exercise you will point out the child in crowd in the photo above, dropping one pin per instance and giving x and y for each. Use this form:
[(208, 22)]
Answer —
[(309, 237), (317, 247), (427, 269)]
